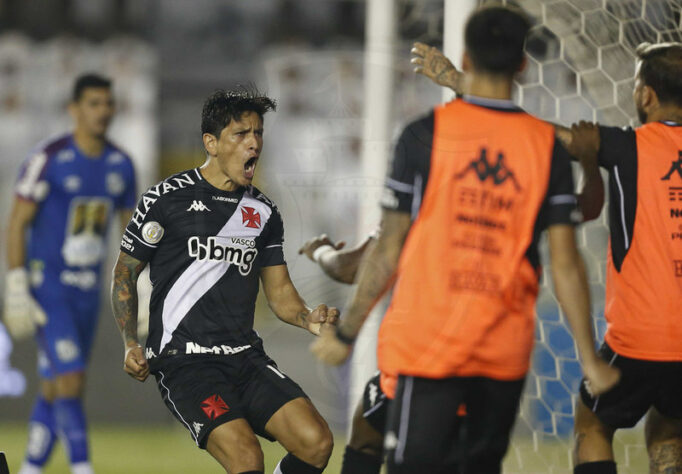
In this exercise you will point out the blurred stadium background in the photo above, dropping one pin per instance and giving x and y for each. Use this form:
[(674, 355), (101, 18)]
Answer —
[(166, 56)]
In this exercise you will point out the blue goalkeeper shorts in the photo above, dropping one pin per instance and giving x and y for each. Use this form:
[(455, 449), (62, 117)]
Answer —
[(64, 343)]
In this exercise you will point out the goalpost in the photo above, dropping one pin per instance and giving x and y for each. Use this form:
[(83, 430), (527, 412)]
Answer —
[(581, 65)]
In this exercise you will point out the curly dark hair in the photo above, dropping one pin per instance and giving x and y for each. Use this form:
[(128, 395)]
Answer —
[(221, 107)]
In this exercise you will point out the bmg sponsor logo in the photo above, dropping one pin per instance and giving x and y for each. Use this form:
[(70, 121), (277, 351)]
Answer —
[(213, 250)]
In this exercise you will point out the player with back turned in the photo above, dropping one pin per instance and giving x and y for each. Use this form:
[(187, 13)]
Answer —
[(65, 197), (209, 237), (488, 179), (644, 270)]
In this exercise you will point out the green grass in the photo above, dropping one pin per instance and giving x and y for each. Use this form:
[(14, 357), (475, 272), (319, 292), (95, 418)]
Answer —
[(140, 449), (168, 449)]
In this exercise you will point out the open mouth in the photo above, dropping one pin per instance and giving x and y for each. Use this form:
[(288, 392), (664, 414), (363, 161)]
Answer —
[(250, 167)]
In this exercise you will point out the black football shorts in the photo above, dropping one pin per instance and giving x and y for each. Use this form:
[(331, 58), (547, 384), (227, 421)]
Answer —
[(205, 391), (426, 432), (375, 404), (643, 384)]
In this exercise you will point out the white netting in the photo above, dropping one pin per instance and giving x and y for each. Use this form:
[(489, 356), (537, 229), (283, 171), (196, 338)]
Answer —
[(581, 65)]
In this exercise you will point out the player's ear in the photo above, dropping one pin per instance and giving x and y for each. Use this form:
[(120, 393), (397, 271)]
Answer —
[(649, 98), (466, 62), (72, 108), (210, 143)]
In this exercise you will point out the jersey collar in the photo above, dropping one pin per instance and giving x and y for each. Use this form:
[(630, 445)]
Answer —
[(503, 105)]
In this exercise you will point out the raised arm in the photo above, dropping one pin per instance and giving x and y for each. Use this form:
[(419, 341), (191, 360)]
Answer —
[(124, 305), (339, 263), (432, 63), (288, 305), (375, 277), (572, 291)]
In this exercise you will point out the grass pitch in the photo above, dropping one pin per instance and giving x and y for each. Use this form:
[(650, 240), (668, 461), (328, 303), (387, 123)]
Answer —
[(168, 449)]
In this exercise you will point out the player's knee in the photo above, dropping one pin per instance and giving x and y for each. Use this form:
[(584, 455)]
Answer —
[(316, 443), (70, 385), (235, 450)]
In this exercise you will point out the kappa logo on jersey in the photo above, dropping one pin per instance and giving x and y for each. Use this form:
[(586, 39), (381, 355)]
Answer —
[(198, 206), (212, 250), (214, 406), (250, 218), (484, 170), (197, 427), (675, 167)]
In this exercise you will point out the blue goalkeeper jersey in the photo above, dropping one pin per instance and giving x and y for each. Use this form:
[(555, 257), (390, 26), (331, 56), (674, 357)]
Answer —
[(77, 196)]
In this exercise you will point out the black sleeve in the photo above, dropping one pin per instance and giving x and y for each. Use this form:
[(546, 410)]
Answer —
[(618, 154), (561, 204), (617, 147), (145, 229), (273, 247), (409, 170)]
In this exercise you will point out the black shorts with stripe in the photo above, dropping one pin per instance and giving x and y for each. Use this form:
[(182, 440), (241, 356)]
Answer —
[(375, 404), (205, 391), (426, 432), (643, 384)]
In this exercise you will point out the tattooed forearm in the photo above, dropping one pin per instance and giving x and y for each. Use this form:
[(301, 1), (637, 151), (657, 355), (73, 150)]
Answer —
[(666, 458), (124, 296), (376, 270)]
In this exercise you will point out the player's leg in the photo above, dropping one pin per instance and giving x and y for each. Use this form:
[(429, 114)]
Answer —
[(201, 396), (42, 430), (43, 426), (302, 431), (664, 443), (364, 452), (593, 450), (235, 447), (69, 350), (597, 418), (422, 429), (491, 408), (278, 409), (664, 421)]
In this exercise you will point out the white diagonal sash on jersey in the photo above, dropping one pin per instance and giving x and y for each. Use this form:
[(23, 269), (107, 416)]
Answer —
[(202, 275)]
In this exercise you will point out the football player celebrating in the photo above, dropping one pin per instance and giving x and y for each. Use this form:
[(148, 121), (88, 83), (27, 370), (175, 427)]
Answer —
[(209, 236)]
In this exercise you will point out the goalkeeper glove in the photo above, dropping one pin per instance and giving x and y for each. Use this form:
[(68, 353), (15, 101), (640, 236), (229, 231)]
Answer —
[(21, 312)]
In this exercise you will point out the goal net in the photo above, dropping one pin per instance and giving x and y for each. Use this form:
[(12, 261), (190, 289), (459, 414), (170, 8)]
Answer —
[(581, 65)]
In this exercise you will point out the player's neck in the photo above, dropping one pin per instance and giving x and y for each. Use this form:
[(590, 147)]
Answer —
[(489, 87), (666, 114), (89, 145), (215, 176)]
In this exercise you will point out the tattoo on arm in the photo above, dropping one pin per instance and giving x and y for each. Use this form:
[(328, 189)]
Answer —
[(666, 458), (377, 270), (124, 296)]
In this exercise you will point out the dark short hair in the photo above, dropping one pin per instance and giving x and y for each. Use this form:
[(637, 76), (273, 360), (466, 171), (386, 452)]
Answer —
[(661, 69), (494, 38), (222, 107), (88, 81)]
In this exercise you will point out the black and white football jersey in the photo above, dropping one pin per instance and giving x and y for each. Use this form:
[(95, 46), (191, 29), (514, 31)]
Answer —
[(205, 248)]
